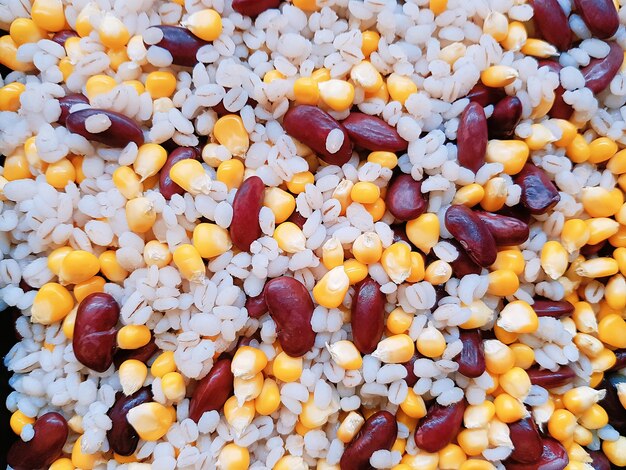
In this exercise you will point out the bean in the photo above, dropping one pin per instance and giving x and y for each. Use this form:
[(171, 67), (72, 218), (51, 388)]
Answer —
[(399, 234), (550, 379), (297, 219), (539, 194), (518, 212), (67, 102), (484, 95), (291, 308), (372, 133), (505, 117), (506, 231), (600, 16), (61, 36), (599, 460), (620, 360), (611, 402), (181, 43), (463, 264), (553, 457), (560, 109), (472, 137), (166, 186), (212, 391), (378, 433), (411, 378), (368, 315), (471, 359), (527, 443), (143, 354), (254, 7), (256, 306), (245, 227), (552, 308), (122, 131), (311, 126), (45, 447), (472, 233), (551, 22), (599, 73), (95, 331), (440, 425), (122, 437), (404, 198)]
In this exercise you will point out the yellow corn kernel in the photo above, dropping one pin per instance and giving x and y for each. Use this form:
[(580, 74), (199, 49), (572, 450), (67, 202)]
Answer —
[(272, 75), (499, 358), (331, 289), (582, 436), (554, 259), (452, 52), (321, 75), (601, 149), (83, 21), (269, 399), (594, 418), (578, 149), (396, 261), (299, 181), (561, 425), (505, 336), (600, 229), (19, 420), (136, 85), (8, 56), (69, 322), (524, 355), (133, 374), (369, 42), (619, 238), (574, 235), (364, 192), (160, 84), (290, 238), (496, 25), (385, 159), (355, 270), (603, 361), (438, 6), (469, 195), (133, 336), (238, 416), (479, 416), (451, 457), (480, 315), (498, 76), (580, 399), (16, 167), (332, 253), (376, 209), (615, 451), (420, 461), (98, 85), (597, 267), (189, 174), (401, 416), (509, 409), (619, 254), (313, 417), (83, 289), (612, 330), (341, 193), (398, 349), (600, 202), (281, 203), (157, 254), (247, 362), (189, 262), (163, 364), (113, 32), (206, 24), (539, 137), (367, 248), (366, 76), (78, 266), (400, 87), (248, 389), (140, 214), (350, 426), (413, 405), (233, 457), (230, 172), (399, 321), (211, 240), (82, 460), (476, 464), (424, 231), (292, 462), (306, 91), (381, 94), (337, 94), (117, 57), (48, 15), (287, 368), (516, 37), (24, 30), (418, 270), (510, 259), (399, 445), (231, 133), (111, 268), (62, 463), (568, 130), (127, 182), (151, 420), (10, 95), (538, 48), (615, 292), (150, 159), (589, 345), (431, 342), (511, 153), (60, 174), (473, 441), (617, 163), (518, 317), (438, 272), (515, 382), (503, 282)]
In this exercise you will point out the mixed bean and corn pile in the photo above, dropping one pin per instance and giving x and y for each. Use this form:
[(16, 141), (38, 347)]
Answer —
[(230, 250)]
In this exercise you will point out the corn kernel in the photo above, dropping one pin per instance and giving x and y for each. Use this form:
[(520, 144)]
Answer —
[(269, 399), (157, 254), (113, 32), (10, 95), (365, 192), (479, 416), (16, 167), (82, 460), (481, 314), (424, 231), (509, 409), (299, 181), (332, 253), (314, 417), (287, 368), (503, 282), (60, 174), (518, 317), (399, 321), (133, 336), (163, 364), (189, 262), (247, 362), (600, 202), (413, 405), (140, 214), (306, 5), (513, 154), (452, 52), (602, 149), (272, 75), (306, 91), (290, 238), (473, 441), (189, 174), (355, 270), (438, 6), (524, 355), (469, 195), (233, 457), (451, 457), (594, 418), (366, 76), (498, 76), (350, 426), (151, 420), (538, 48), (400, 348), (247, 389), (615, 451), (561, 425), (292, 462), (438, 272), (83, 289), (496, 25), (369, 42), (597, 267), (554, 259), (62, 463), (19, 420), (612, 330), (337, 94), (345, 354), (133, 374), (331, 289), (211, 240), (281, 203), (396, 261), (8, 55), (321, 75), (400, 87), (578, 149), (48, 15), (499, 358)]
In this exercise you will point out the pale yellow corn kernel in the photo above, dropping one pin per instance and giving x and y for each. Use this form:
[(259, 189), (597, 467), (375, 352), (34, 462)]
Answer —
[(568, 130), (511, 153), (399, 445), (272, 75), (396, 349), (345, 354), (588, 345), (60, 174), (3, 182), (597, 267), (48, 15), (117, 57), (211, 240), (424, 231), (561, 425), (497, 76), (469, 195), (10, 95), (615, 451), (230, 132), (233, 457), (83, 289), (332, 253), (473, 441), (19, 420), (396, 261), (595, 417), (16, 167), (385, 159), (78, 266), (539, 48), (133, 336), (68, 323), (479, 416), (337, 94), (580, 399), (281, 203), (366, 76), (350, 427), (509, 409), (150, 159), (365, 192), (582, 435), (399, 321), (369, 42), (82, 460), (430, 342), (516, 37), (151, 420), (66, 67), (62, 463), (331, 289), (213, 154), (420, 461), (554, 259), (503, 282), (140, 214), (600, 202), (113, 32), (287, 368), (438, 272), (367, 248), (111, 268), (452, 52), (247, 362), (231, 173), (269, 399), (510, 259), (602, 149), (189, 174), (247, 389), (516, 382), (321, 75), (83, 21), (496, 25), (289, 237), (400, 87), (451, 457), (127, 182), (600, 229), (518, 317), (292, 462), (342, 193), (206, 24), (499, 358), (355, 271), (615, 292), (163, 364), (413, 405), (306, 91), (524, 355), (539, 137), (133, 374), (612, 330), (8, 55), (238, 416), (189, 262), (603, 361), (481, 314), (299, 181), (574, 235), (313, 417), (157, 254)]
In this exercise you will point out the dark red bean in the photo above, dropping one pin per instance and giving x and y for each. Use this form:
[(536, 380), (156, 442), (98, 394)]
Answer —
[(61, 36), (551, 23), (620, 360), (484, 95), (378, 433), (122, 131), (95, 331), (527, 443), (256, 306), (372, 133), (472, 137), (560, 109), (166, 186), (291, 308), (505, 117), (463, 264), (553, 457), (599, 460), (67, 102), (440, 425), (297, 219), (611, 402), (254, 7), (411, 378), (212, 391), (245, 227), (45, 447), (142, 354), (590, 250), (473, 234), (552, 308), (506, 231), (599, 73), (600, 16), (518, 212), (122, 437), (404, 198), (311, 126), (181, 43), (399, 234), (539, 194), (548, 379), (368, 315), (471, 359)]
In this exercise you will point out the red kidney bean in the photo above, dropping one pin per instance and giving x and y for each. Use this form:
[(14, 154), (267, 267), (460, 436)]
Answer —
[(378, 433), (122, 437), (245, 228), (254, 7), (599, 73), (620, 360), (506, 231), (548, 379), (471, 359), (212, 391), (551, 22), (181, 43), (472, 233), (256, 306), (404, 198), (368, 315), (45, 447), (166, 186), (505, 117), (527, 443), (122, 131), (552, 308), (560, 109), (484, 95), (95, 331), (372, 133), (518, 212), (440, 425), (311, 126), (411, 378), (553, 457), (297, 219), (61, 36), (600, 16), (142, 354), (291, 308), (599, 460), (539, 194), (463, 264), (67, 102), (611, 402), (472, 137)]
